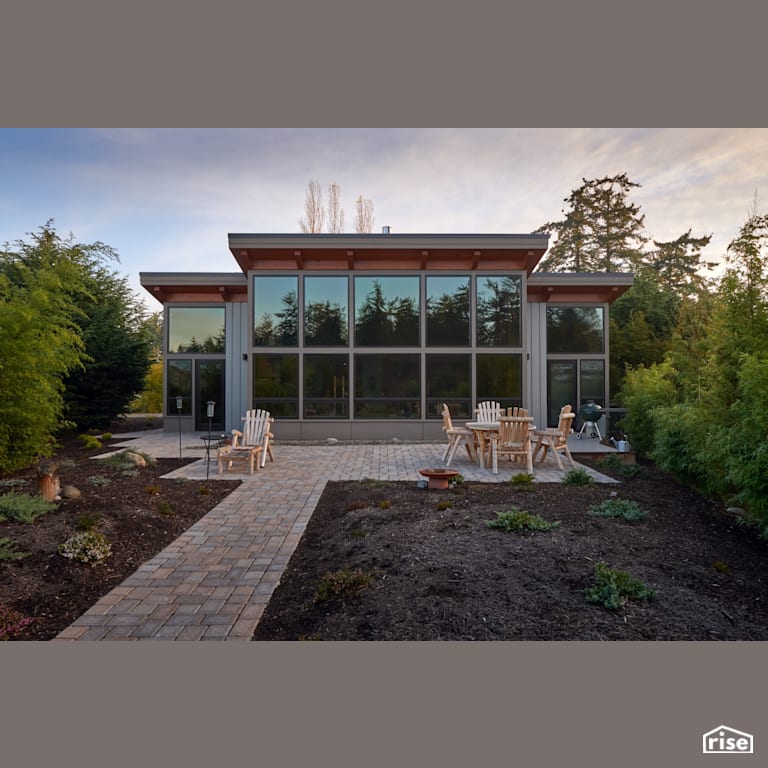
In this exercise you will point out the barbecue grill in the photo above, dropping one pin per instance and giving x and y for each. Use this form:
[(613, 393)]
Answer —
[(590, 414)]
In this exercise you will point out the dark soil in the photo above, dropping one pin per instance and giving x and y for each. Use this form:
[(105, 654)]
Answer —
[(437, 572), (139, 515)]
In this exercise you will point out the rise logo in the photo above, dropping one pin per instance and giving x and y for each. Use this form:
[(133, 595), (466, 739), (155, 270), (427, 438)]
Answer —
[(727, 741)]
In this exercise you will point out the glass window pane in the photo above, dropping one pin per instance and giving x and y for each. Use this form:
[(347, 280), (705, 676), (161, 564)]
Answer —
[(387, 311), (575, 330), (196, 330), (276, 384), (593, 381), (325, 311), (561, 388), (179, 384), (210, 386), (499, 378), (448, 311), (449, 381), (326, 386), (387, 386), (275, 311), (498, 311)]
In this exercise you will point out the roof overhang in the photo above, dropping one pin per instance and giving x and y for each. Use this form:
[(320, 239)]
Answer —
[(194, 287), (578, 287), (406, 251)]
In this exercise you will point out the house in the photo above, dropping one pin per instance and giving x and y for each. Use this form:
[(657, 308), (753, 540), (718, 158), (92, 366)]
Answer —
[(363, 336)]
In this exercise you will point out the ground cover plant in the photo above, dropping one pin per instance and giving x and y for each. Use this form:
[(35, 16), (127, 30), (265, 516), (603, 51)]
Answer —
[(686, 570), (57, 560)]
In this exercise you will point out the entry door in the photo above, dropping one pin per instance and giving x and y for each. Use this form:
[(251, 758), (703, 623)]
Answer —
[(209, 379), (561, 388)]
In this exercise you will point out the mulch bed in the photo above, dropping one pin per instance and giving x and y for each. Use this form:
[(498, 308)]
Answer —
[(435, 571), (139, 515)]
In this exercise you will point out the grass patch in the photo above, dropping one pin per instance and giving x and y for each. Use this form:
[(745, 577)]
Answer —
[(23, 508), (613, 588), (623, 508), (519, 520), (343, 585)]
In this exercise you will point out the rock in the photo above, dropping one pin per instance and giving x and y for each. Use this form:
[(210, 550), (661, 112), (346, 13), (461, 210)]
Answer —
[(332, 441), (136, 459), (70, 492)]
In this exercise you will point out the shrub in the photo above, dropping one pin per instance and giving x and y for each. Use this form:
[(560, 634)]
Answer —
[(87, 521), (9, 550), (623, 508), (385, 504), (12, 623), (90, 442), (518, 520), (612, 588), (23, 508), (345, 584), (443, 505), (578, 476), (522, 479), (98, 480), (86, 547), (165, 509)]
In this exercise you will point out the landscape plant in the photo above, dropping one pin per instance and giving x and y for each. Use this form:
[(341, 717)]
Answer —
[(344, 584), (519, 520), (612, 588), (90, 547), (626, 509), (23, 507)]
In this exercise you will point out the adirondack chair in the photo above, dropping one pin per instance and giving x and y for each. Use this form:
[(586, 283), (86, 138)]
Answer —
[(513, 440), (252, 444), (456, 436), (555, 439), (256, 431), (488, 411)]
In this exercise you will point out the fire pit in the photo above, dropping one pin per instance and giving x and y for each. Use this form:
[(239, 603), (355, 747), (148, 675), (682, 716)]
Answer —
[(438, 477), (590, 414)]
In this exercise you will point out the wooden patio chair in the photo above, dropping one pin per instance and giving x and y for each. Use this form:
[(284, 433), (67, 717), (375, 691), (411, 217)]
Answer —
[(555, 439), (254, 441), (456, 436), (513, 440), (488, 411), (517, 411)]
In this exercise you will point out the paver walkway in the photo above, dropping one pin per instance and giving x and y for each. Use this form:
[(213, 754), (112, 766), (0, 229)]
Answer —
[(214, 581)]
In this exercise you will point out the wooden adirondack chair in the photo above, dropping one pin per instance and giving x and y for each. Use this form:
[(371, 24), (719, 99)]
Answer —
[(555, 439), (252, 443), (513, 440), (456, 436), (488, 411)]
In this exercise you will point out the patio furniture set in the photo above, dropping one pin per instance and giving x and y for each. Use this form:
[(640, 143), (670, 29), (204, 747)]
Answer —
[(508, 433)]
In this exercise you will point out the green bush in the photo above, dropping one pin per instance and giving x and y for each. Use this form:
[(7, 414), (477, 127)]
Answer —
[(345, 584), (88, 521), (23, 508), (90, 442), (9, 550), (578, 476), (612, 588), (519, 520), (89, 547), (623, 508), (522, 479)]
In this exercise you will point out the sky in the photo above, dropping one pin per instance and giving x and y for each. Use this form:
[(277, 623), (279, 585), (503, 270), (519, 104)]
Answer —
[(166, 199)]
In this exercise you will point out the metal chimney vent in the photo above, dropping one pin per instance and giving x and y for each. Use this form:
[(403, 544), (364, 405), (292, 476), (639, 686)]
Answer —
[(385, 230)]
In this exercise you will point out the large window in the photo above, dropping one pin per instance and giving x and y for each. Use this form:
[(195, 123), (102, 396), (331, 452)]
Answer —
[(387, 311), (447, 311), (326, 386), (499, 311), (179, 385), (575, 330), (275, 311), (500, 378), (387, 386), (449, 381), (196, 330), (326, 320), (276, 384)]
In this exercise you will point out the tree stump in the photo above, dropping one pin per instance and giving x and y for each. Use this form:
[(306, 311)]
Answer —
[(48, 482)]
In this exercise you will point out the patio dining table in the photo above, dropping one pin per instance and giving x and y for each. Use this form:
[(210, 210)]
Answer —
[(484, 432)]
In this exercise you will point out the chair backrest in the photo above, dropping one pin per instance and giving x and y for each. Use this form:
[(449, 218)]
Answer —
[(488, 411), (517, 411), (447, 423), (255, 426), (515, 432)]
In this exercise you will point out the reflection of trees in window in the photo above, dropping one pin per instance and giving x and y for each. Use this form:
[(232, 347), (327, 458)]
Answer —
[(498, 312), (381, 322), (448, 318), (325, 324), (574, 330), (284, 332), (210, 345)]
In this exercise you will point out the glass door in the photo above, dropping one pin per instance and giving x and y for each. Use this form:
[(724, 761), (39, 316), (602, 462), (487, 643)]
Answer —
[(561, 388), (209, 380)]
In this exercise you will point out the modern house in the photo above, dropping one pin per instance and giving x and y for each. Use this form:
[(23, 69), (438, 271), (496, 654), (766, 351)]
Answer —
[(363, 336)]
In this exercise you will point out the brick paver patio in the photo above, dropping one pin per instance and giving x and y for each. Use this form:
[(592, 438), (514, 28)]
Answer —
[(214, 581)]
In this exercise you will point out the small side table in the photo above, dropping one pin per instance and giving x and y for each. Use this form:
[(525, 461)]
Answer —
[(211, 441)]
